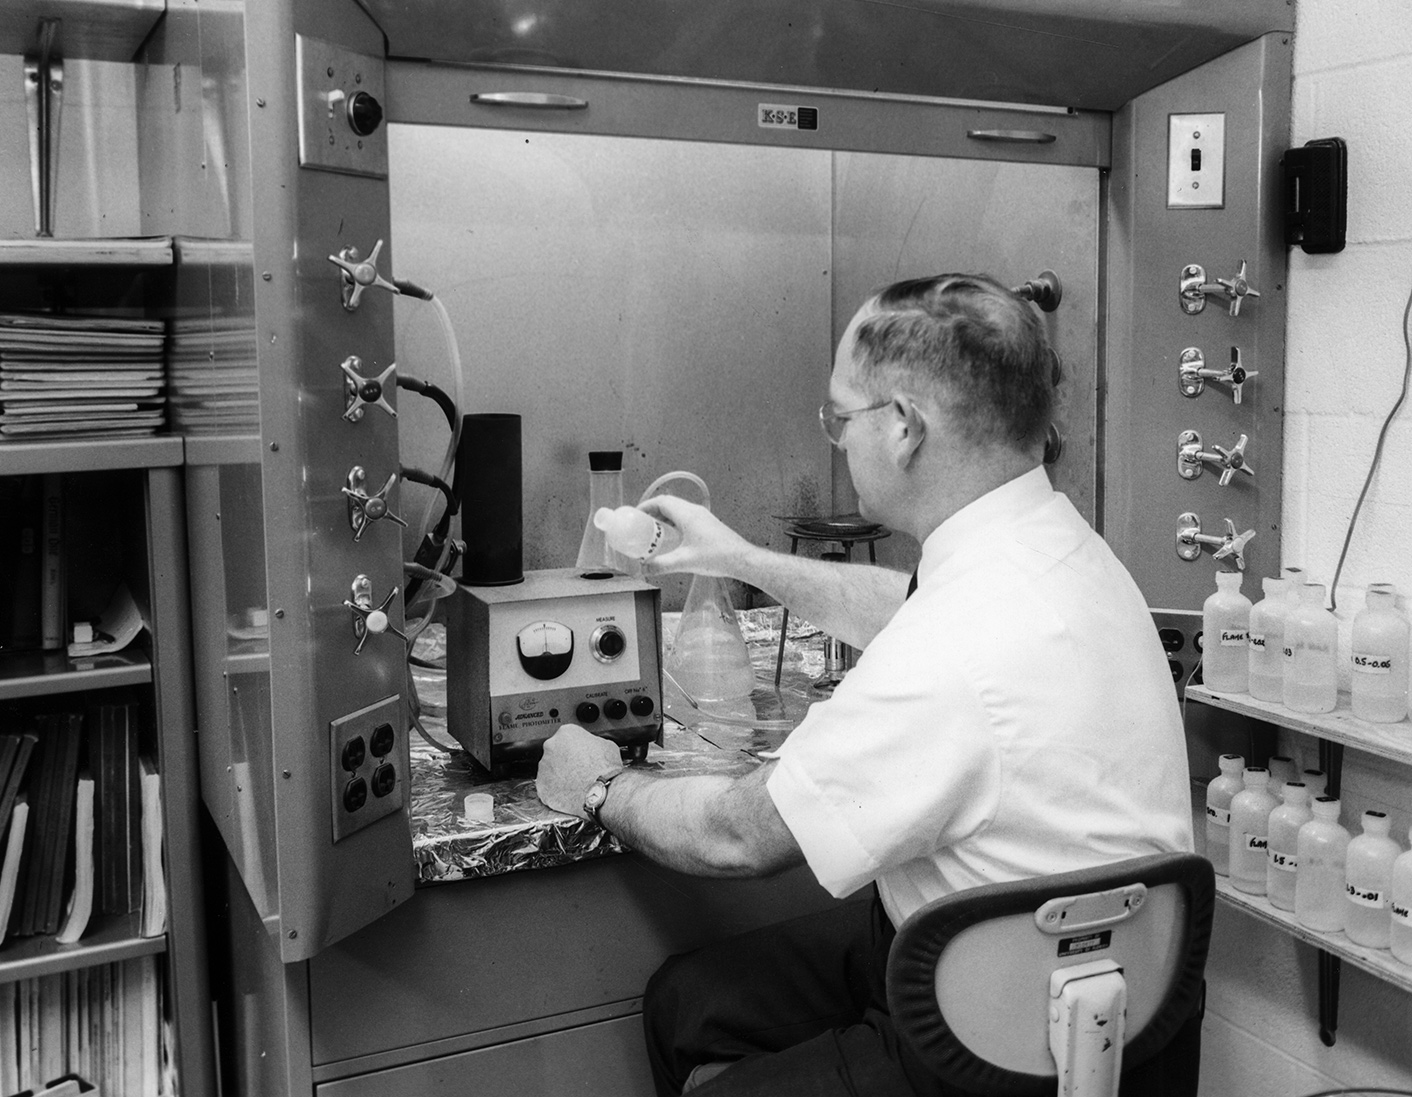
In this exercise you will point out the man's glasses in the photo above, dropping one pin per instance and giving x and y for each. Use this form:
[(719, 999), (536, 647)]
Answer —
[(834, 421)]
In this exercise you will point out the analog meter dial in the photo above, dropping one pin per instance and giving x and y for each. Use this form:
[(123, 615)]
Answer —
[(546, 648)]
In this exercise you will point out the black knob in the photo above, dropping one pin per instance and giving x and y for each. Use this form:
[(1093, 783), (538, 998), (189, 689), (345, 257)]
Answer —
[(615, 709), (586, 713), (612, 643), (641, 705), (364, 113)]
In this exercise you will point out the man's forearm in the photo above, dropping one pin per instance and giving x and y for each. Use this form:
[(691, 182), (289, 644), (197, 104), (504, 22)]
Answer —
[(702, 825), (851, 602)]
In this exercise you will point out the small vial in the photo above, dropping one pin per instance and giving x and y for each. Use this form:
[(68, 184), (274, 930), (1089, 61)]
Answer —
[(1250, 828), (1368, 882), (1320, 902), (1282, 851), (1219, 794)]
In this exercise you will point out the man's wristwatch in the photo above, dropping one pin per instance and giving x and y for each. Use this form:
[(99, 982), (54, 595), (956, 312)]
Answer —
[(597, 794)]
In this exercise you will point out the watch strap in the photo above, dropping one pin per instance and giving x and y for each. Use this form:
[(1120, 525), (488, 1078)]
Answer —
[(603, 780)]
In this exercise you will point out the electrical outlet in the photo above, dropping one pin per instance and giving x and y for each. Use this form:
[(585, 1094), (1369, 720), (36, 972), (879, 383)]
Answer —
[(363, 784), (1180, 633), (1196, 161)]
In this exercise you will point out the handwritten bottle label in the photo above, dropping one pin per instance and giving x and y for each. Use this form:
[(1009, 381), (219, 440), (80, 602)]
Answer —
[(1366, 897), (1256, 841), (1234, 637), (1401, 913), (1372, 664), (1285, 862), (1257, 642), (1289, 651), (1222, 818)]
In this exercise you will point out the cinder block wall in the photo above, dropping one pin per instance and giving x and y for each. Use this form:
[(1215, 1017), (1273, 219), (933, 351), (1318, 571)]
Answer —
[(1345, 361)]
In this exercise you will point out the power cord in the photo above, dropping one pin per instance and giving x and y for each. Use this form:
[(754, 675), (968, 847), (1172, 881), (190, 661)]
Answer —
[(1377, 451), (1359, 1091)]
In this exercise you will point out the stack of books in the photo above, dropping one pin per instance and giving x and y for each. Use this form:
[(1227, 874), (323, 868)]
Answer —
[(80, 376), (213, 374)]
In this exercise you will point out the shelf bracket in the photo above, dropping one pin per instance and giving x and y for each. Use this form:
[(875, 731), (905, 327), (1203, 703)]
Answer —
[(44, 88), (1330, 967)]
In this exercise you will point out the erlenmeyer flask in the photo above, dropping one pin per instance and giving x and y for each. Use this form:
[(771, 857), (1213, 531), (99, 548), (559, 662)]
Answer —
[(708, 657), (605, 489)]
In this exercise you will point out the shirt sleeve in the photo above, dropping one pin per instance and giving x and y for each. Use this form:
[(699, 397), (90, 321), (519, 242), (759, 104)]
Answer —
[(897, 764)]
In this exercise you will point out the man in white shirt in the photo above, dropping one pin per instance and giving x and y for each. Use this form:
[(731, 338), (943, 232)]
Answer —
[(1014, 717)]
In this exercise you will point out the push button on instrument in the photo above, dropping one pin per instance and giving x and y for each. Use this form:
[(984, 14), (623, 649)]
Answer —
[(641, 705), (615, 709), (586, 712)]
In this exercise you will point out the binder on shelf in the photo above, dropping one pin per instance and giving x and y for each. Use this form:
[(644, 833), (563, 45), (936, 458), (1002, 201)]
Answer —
[(53, 789), (16, 749), (21, 536), (53, 590), (81, 898), (10, 865), (154, 877), (113, 759)]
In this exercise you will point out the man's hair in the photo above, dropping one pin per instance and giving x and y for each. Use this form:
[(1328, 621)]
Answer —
[(969, 342)]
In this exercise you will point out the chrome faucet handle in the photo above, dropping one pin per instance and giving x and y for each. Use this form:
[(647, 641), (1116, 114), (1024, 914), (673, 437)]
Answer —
[(361, 391), (1237, 287), (1233, 544), (1190, 540), (1192, 288), (367, 618), (363, 508), (1233, 461), (1193, 373), (359, 274)]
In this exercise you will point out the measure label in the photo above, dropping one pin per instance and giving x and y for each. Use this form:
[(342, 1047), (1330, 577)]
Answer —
[(778, 116), (1256, 841), (1372, 664), (1221, 817), (1366, 897), (1286, 862)]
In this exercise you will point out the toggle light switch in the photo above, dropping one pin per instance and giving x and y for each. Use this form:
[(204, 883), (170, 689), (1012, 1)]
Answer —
[(1196, 161)]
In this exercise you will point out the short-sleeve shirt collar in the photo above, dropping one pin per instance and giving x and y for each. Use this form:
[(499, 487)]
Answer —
[(1011, 501)]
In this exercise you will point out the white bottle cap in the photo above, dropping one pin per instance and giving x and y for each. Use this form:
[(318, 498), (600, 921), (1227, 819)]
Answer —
[(1231, 764), (1327, 807), (1256, 777), (1296, 792), (1376, 822)]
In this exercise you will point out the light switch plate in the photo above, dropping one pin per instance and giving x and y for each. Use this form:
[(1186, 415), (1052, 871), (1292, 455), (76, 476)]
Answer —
[(1196, 161)]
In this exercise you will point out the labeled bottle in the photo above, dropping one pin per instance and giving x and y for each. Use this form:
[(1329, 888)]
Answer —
[(605, 489), (1400, 906), (1368, 882), (1250, 828), (1316, 781), (1282, 771), (635, 533), (1225, 633), (1282, 850), (1311, 647), (1380, 658), (1219, 794), (1322, 848), (1267, 641)]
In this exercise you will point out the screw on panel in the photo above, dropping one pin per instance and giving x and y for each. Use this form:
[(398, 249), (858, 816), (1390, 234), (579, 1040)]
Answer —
[(274, 447), (266, 275), (279, 613), (293, 933), (259, 102), (287, 775)]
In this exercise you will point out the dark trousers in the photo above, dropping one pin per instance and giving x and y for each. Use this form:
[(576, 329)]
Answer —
[(800, 1009)]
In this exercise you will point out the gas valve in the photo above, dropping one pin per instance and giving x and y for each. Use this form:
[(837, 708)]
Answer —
[(1193, 373), (1190, 458), (1190, 540), (361, 391), (359, 274), (367, 618), (1193, 288), (364, 509)]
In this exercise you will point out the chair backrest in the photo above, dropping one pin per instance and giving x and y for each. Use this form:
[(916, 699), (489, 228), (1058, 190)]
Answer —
[(968, 978)]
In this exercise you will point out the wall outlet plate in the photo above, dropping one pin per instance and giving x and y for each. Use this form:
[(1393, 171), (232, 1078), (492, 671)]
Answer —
[(1196, 161), (1180, 633)]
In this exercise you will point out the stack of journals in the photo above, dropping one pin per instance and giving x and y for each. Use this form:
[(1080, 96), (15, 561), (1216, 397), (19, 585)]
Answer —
[(214, 386), (80, 376)]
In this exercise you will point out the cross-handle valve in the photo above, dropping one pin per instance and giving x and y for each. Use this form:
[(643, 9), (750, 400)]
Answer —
[(1194, 287), (1193, 373), (364, 509), (361, 391), (1191, 458), (367, 618), (1190, 540), (359, 274)]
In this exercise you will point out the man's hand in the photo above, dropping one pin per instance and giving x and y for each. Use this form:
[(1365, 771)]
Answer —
[(573, 760), (708, 546)]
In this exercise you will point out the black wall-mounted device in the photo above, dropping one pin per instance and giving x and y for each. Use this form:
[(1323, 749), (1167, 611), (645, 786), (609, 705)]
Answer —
[(1316, 195)]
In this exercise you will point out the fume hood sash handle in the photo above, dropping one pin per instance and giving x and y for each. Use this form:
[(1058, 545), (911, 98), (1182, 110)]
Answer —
[(536, 99), (1018, 137)]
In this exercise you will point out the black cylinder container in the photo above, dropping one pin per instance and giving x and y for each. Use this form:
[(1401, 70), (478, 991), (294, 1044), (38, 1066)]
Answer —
[(489, 485)]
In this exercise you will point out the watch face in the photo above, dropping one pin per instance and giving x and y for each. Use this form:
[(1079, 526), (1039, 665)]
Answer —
[(594, 797)]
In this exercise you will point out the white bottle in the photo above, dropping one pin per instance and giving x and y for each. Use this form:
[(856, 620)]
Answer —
[(1322, 848), (1282, 851), (635, 533), (1267, 641), (1282, 771), (1311, 647), (1225, 636), (1219, 794), (1368, 878), (1401, 906), (1316, 781), (1250, 828), (1380, 659)]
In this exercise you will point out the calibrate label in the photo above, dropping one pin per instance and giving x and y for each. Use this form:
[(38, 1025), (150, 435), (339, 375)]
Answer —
[(774, 116)]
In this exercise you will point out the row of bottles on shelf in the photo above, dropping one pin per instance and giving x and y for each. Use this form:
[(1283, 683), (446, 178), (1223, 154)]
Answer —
[(1284, 648), (1295, 852)]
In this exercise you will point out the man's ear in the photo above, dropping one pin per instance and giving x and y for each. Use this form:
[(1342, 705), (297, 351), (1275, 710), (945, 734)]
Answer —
[(909, 430)]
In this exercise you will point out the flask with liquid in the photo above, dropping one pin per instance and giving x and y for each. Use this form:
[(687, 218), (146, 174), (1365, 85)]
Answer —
[(1311, 646), (1267, 641), (1282, 852), (1368, 879), (1225, 631), (605, 489), (635, 533), (1219, 794), (1400, 906), (1380, 659), (1322, 849), (1250, 828)]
